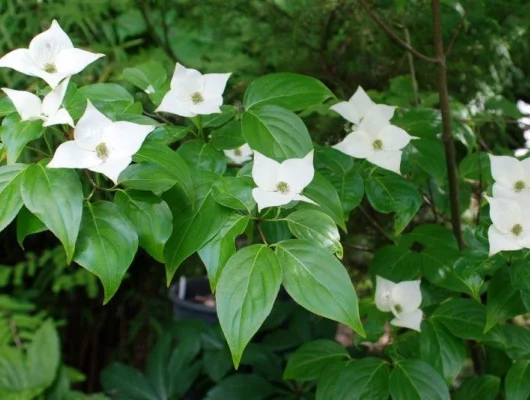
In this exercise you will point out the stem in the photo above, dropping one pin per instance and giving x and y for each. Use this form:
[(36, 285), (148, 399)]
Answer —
[(455, 34), (261, 234), (447, 135), (14, 333), (394, 36), (376, 225), (412, 69)]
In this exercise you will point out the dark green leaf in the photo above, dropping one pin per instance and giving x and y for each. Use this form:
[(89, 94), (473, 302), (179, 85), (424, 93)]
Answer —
[(202, 156), (229, 136), (485, 387), (15, 136), (416, 380), (430, 156), (464, 318), (106, 92), (396, 264), (235, 193), (147, 74), (476, 167), (218, 119), (27, 224), (10, 197), (127, 383), (242, 387), (518, 381), (44, 355)]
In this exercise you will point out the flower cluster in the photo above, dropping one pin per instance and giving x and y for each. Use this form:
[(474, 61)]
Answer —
[(373, 137), (511, 193), (403, 299)]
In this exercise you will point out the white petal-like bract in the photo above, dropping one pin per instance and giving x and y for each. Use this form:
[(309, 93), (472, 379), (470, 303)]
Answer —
[(239, 155)]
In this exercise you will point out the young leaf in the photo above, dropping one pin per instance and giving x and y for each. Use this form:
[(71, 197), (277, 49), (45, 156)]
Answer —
[(217, 251), (235, 193), (319, 282), (10, 197), (414, 379), (247, 288), (312, 358), (106, 245), (55, 196), (366, 378), (16, 135), (276, 132), (315, 227), (150, 216), (292, 91), (518, 381), (485, 387)]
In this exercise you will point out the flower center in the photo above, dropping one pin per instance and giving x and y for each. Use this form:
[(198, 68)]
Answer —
[(237, 152), (378, 145), (197, 98), (50, 68), (398, 308), (517, 229), (102, 151), (282, 187), (519, 186)]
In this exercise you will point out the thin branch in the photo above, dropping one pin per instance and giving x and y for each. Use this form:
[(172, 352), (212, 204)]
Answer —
[(447, 134), (431, 201), (394, 36), (377, 227), (261, 234), (455, 34), (14, 333), (412, 69)]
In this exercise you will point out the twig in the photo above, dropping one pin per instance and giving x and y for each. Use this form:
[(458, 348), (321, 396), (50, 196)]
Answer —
[(455, 34), (447, 135), (431, 201), (261, 234), (358, 247), (394, 36), (412, 69), (377, 227), (14, 333)]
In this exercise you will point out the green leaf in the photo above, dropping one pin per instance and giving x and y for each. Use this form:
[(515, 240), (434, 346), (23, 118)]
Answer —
[(366, 378), (416, 380), (217, 120), (43, 355), (485, 387), (228, 137), (27, 224), (202, 156), (321, 191), (292, 91), (217, 363), (442, 350), (396, 264), (517, 382), (174, 166), (430, 156), (168, 134), (393, 193), (151, 217), (156, 369), (15, 136), (311, 359), (106, 92), (55, 196), (464, 318), (235, 193), (504, 299), (276, 132), (106, 245), (317, 228), (127, 383), (10, 197), (194, 223), (217, 251), (6, 106), (425, 123), (518, 341), (147, 176), (247, 288), (242, 387), (147, 74), (476, 167), (317, 281)]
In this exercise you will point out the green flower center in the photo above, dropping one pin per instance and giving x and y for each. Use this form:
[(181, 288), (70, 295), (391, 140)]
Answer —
[(398, 308), (378, 144), (237, 152), (102, 151), (282, 187), (50, 68), (197, 98), (519, 185), (517, 229)]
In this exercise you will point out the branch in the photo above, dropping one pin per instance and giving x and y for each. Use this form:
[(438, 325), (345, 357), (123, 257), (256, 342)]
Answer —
[(376, 226), (394, 36), (447, 135), (412, 70), (455, 34)]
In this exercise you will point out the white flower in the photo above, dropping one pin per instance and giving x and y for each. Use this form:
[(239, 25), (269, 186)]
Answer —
[(403, 299), (49, 110), (512, 178), (51, 56), (194, 94), (359, 106), (101, 145), (240, 155), (511, 225), (279, 184), (376, 140)]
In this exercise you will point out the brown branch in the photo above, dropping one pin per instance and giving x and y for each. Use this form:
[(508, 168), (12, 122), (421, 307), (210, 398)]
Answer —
[(394, 36), (412, 69), (447, 134), (455, 34)]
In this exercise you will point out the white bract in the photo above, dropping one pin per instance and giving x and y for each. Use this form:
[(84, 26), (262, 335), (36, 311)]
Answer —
[(193, 93), (239, 155), (512, 178), (101, 145), (281, 183), (50, 56), (403, 299), (511, 225), (30, 107), (376, 140), (359, 106)]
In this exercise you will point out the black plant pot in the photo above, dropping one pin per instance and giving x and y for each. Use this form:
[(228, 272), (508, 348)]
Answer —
[(182, 295)]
